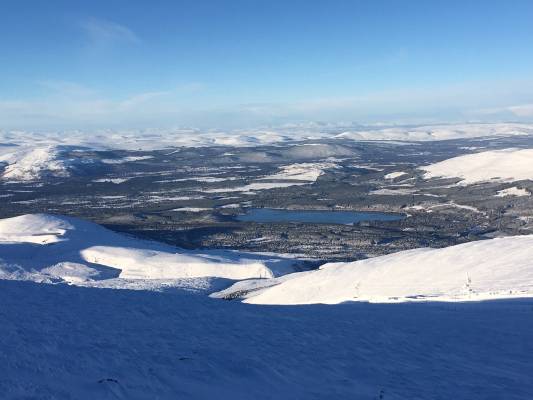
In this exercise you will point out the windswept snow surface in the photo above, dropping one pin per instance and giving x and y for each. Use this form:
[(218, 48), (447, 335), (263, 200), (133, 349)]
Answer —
[(69, 342), (500, 165), (44, 247), (488, 269)]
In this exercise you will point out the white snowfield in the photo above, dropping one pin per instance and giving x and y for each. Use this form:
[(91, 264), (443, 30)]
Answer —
[(308, 172), (75, 343), (42, 247), (482, 270), (514, 192), (394, 175), (29, 163), (71, 342), (506, 165), (289, 175)]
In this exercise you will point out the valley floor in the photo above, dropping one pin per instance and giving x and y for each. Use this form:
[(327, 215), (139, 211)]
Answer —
[(66, 342)]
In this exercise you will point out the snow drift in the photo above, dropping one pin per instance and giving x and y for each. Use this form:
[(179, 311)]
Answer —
[(496, 268), (43, 247), (501, 165)]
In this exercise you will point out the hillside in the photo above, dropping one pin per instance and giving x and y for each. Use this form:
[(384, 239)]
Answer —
[(45, 247), (501, 165), (68, 342), (489, 269)]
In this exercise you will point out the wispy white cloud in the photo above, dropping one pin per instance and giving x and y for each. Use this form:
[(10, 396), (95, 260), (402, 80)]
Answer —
[(103, 32), (139, 99), (191, 87), (65, 103), (524, 110), (521, 110), (66, 88)]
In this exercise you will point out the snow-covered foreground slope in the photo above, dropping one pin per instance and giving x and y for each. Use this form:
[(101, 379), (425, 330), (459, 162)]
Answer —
[(44, 247), (501, 165), (68, 342), (488, 269), (72, 342)]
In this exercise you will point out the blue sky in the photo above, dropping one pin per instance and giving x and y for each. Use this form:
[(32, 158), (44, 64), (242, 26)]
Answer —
[(238, 64)]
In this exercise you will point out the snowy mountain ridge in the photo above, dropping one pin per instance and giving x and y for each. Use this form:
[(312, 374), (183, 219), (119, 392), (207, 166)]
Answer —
[(31, 163), (43, 247), (27, 156), (50, 248), (137, 344), (505, 165), (482, 270)]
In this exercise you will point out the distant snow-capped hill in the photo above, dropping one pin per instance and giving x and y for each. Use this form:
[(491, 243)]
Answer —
[(500, 165), (488, 269), (429, 133), (29, 156), (164, 138), (32, 163), (48, 247)]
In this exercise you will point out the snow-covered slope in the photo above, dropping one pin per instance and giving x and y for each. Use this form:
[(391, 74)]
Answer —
[(38, 228), (67, 342), (47, 247), (308, 172), (489, 269), (500, 165), (513, 191), (31, 163), (394, 175), (312, 151), (426, 133)]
